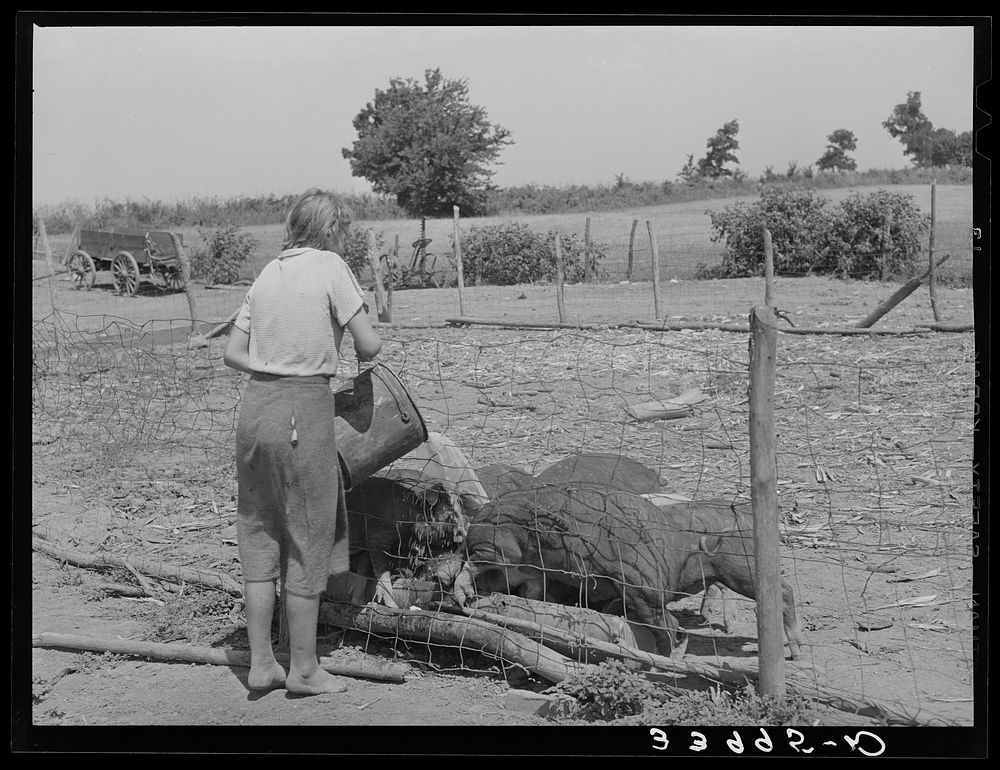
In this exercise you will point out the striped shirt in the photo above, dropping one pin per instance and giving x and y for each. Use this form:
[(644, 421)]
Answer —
[(296, 310)]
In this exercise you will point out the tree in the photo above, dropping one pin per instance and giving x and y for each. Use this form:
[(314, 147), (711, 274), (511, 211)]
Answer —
[(945, 148), (836, 158), (688, 174), (427, 145), (720, 151), (926, 145)]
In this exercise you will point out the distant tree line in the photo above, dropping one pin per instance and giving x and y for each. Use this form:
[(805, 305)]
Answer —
[(926, 146), (508, 201)]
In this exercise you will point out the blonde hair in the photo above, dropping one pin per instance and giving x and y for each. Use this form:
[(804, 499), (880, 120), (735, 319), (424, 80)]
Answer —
[(315, 212)]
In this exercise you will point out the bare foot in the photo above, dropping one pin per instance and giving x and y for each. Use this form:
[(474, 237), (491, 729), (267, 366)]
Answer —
[(266, 676), (319, 681)]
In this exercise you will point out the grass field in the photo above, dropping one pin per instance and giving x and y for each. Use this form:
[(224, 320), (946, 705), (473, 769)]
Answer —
[(683, 233)]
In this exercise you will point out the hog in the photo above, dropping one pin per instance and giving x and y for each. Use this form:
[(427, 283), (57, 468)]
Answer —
[(610, 471), (401, 520), (443, 461), (499, 479), (612, 546), (619, 473)]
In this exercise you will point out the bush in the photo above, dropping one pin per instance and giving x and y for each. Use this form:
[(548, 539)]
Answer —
[(810, 235), (720, 707), (799, 221), (356, 251), (226, 250), (512, 253), (860, 232), (574, 257), (505, 254)]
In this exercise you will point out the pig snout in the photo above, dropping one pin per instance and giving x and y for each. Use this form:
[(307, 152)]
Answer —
[(492, 563)]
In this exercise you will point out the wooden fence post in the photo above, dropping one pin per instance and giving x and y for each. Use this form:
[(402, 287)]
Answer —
[(886, 238), (383, 298), (458, 264), (73, 245), (932, 278), (48, 260), (588, 272), (768, 270), (763, 487), (656, 271), (560, 302), (185, 262), (631, 249)]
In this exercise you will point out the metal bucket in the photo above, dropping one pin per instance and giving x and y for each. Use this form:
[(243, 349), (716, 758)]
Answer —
[(377, 423)]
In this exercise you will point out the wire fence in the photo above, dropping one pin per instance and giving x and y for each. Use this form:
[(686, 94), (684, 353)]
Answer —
[(133, 429), (874, 457)]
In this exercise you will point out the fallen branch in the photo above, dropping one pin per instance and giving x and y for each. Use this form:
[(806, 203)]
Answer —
[(837, 331), (467, 321), (141, 579), (218, 580), (948, 327), (459, 632), (363, 669), (574, 646), (691, 326), (48, 275), (899, 295), (201, 340), (853, 331), (120, 589)]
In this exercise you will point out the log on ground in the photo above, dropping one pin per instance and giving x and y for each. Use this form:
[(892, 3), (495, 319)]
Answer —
[(452, 631), (365, 669), (219, 580)]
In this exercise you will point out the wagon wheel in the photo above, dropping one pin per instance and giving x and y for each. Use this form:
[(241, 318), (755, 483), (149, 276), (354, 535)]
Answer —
[(81, 265), (175, 279), (168, 278), (125, 273)]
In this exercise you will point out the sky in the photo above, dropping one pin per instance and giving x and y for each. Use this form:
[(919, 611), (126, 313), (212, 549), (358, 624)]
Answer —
[(172, 113)]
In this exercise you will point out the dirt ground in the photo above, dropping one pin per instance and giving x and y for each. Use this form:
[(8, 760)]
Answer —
[(876, 495)]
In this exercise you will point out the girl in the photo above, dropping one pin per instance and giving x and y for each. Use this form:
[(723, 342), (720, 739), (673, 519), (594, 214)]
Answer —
[(291, 516)]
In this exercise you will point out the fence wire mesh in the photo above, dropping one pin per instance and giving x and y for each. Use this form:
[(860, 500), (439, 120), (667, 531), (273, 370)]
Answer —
[(133, 430)]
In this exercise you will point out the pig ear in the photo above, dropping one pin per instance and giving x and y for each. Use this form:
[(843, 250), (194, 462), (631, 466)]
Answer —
[(472, 504)]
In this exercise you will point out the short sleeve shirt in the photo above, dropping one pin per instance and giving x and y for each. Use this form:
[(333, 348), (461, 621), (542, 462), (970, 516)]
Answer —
[(296, 311)]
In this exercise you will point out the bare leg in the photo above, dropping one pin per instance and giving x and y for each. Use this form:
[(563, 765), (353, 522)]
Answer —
[(265, 672), (305, 677)]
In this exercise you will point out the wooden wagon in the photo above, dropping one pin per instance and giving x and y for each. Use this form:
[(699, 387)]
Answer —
[(127, 254)]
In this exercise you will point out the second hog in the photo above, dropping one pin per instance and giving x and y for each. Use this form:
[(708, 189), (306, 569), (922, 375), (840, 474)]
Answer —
[(605, 546)]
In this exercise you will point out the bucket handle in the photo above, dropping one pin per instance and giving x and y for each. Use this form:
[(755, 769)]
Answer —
[(404, 415)]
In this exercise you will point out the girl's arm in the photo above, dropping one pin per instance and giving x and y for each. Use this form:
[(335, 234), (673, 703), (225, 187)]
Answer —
[(367, 343), (237, 355)]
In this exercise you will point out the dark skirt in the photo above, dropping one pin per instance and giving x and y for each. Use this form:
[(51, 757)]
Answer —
[(291, 514)]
